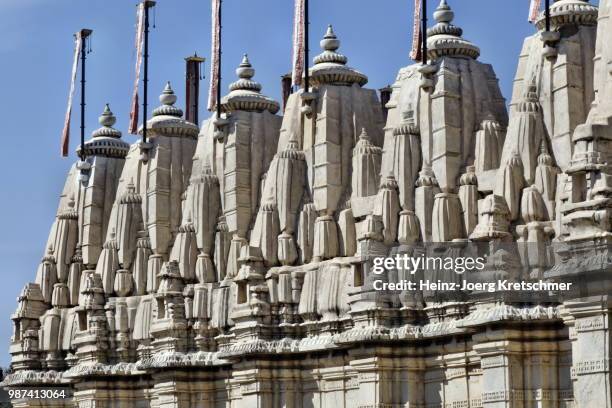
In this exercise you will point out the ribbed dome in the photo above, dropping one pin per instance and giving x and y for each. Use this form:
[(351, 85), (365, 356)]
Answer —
[(567, 12)]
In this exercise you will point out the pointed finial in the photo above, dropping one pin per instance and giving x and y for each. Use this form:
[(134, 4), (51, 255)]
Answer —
[(167, 97), (107, 119), (245, 69), (364, 135), (330, 41), (444, 14)]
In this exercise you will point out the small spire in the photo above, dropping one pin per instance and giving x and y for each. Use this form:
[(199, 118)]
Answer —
[(444, 14), (168, 97), (245, 69), (364, 135), (107, 119), (330, 41)]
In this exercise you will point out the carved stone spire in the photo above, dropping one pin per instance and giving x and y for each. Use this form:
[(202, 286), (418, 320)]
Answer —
[(330, 66), (245, 94), (444, 38)]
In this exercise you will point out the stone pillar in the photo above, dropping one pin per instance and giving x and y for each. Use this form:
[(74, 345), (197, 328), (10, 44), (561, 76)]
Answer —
[(589, 327), (502, 372)]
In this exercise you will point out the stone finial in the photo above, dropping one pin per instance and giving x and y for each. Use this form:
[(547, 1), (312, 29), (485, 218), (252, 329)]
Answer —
[(107, 119), (167, 97), (168, 119), (105, 141), (167, 100), (245, 93), (245, 69), (444, 14), (444, 38), (330, 41), (330, 66)]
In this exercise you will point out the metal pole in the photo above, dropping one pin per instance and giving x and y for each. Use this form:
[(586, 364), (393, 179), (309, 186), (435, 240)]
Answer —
[(424, 31), (219, 62), (147, 4), (306, 47), (83, 34), (547, 14)]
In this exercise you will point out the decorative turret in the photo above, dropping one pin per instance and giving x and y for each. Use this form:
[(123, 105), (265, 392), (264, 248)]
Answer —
[(366, 167), (330, 66), (245, 94), (445, 39)]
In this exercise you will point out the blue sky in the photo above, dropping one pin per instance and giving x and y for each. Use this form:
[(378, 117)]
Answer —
[(35, 59)]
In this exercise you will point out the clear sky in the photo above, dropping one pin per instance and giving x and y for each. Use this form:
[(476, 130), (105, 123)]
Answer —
[(35, 57)]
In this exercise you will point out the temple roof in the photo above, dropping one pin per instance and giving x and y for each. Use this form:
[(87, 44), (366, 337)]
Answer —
[(245, 94), (330, 66)]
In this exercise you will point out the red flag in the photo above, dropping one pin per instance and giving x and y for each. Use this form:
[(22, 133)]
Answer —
[(534, 10), (73, 75), (298, 44), (140, 16), (214, 62), (415, 53)]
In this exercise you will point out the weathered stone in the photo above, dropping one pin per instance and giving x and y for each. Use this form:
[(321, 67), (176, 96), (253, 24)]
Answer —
[(243, 271)]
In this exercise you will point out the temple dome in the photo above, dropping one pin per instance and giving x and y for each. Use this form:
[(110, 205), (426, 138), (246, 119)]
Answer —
[(330, 66), (106, 141), (168, 119), (567, 12), (444, 38), (245, 94)]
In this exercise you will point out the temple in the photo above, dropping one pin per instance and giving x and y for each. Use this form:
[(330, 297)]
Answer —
[(233, 265)]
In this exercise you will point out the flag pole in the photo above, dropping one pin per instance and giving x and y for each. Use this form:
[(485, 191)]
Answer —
[(424, 31), (84, 34), (547, 14), (218, 79), (306, 47), (147, 5)]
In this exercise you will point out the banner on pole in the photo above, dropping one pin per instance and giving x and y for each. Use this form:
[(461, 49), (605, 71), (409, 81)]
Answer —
[(415, 53), (140, 27), (298, 44), (534, 10), (75, 65), (214, 61)]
